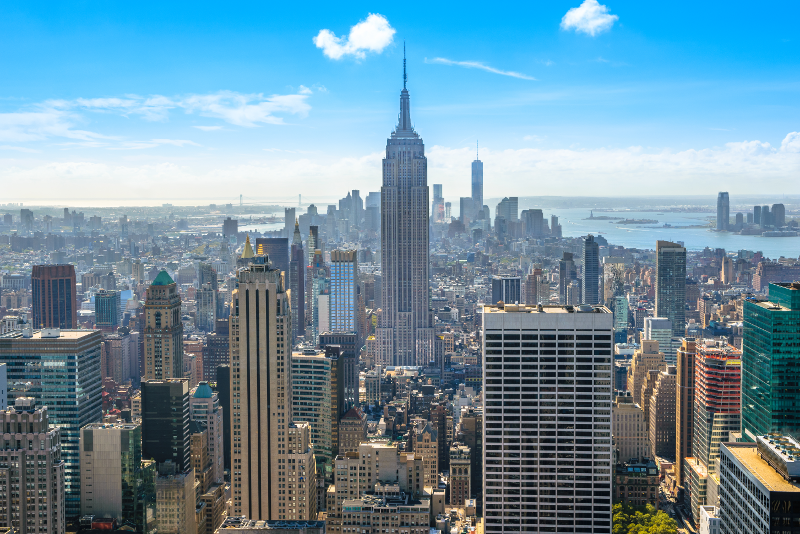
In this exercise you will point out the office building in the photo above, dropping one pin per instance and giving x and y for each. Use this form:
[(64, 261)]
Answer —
[(176, 501), (533, 221), (205, 409), (388, 510), (216, 351), (477, 182), (230, 227), (660, 329), (276, 249), (3, 386), (662, 414), (647, 358), (506, 289), (759, 486), (349, 349), (31, 471), (591, 271), (165, 423), (112, 482), (311, 402), (288, 222), (684, 406), (343, 291), (163, 331), (770, 351), (631, 435), (319, 293), (405, 329), (65, 366), (425, 443), (437, 208), (53, 298), (508, 209), (567, 272), (468, 211), (261, 376), (337, 396), (108, 310), (778, 215), (671, 285), (224, 393), (766, 217), (723, 212), (553, 338)]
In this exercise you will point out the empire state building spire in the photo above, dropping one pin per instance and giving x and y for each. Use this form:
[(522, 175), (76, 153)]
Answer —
[(404, 127)]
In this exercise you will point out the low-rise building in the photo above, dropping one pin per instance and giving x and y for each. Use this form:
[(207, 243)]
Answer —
[(636, 483)]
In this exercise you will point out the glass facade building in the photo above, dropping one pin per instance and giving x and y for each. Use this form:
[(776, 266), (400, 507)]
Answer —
[(61, 370), (344, 287), (770, 374)]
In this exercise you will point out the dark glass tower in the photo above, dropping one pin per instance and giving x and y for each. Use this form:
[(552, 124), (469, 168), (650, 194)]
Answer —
[(671, 285), (165, 422), (591, 271), (405, 333), (53, 296)]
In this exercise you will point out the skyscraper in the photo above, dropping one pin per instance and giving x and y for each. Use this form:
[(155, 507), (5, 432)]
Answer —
[(297, 283), (590, 288), (344, 282), (405, 332), (684, 406), (107, 307), (723, 212), (507, 289), (53, 296), (566, 274), (165, 422), (261, 413), (671, 285), (770, 351), (276, 249), (163, 331), (477, 182), (65, 368), (529, 455)]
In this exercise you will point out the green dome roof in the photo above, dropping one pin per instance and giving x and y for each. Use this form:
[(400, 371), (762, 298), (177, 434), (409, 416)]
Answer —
[(203, 391), (163, 279)]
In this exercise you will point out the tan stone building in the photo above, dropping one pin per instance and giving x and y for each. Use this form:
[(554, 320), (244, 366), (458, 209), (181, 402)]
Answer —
[(299, 485), (261, 391), (662, 414), (163, 330), (426, 444), (629, 428), (459, 474), (647, 393), (647, 358), (388, 511), (352, 430)]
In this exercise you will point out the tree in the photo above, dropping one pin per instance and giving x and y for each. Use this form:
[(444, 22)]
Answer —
[(628, 519)]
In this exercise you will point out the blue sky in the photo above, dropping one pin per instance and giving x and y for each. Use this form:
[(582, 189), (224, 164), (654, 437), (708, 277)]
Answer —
[(146, 102)]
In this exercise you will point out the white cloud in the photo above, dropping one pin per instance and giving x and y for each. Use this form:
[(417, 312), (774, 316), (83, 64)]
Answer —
[(791, 143), (372, 34), (246, 110), (25, 126), (175, 142), (479, 65), (208, 128), (590, 18)]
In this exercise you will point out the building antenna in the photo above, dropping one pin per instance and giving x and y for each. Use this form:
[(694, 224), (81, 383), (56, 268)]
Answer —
[(405, 76)]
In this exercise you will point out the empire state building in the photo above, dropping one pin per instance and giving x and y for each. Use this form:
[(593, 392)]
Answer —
[(405, 330)]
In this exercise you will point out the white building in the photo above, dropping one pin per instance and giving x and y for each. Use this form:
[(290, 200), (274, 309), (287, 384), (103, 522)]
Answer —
[(709, 520), (660, 329), (547, 418)]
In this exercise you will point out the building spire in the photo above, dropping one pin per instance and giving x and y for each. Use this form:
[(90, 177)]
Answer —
[(405, 76)]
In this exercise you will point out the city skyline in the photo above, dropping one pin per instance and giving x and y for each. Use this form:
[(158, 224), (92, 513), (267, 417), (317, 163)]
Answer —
[(578, 95)]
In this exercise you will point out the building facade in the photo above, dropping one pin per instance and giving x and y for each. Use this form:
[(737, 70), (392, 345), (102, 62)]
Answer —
[(53, 297), (533, 408), (671, 285), (163, 331), (405, 329)]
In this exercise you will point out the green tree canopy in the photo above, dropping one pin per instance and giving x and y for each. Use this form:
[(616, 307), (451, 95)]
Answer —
[(641, 520)]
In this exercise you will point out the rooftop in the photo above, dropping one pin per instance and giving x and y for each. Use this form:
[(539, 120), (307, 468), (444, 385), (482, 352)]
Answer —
[(163, 279), (521, 308), (747, 454)]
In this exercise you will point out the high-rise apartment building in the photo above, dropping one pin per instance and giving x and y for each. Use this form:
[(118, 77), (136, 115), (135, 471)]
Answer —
[(344, 289), (31, 471), (165, 422), (53, 298), (770, 351), (660, 329), (778, 215), (65, 366), (671, 285), (163, 330), (405, 330), (723, 212), (261, 411), (684, 406), (298, 272), (319, 297), (206, 315), (112, 483), (591, 271), (532, 416)]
